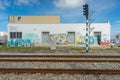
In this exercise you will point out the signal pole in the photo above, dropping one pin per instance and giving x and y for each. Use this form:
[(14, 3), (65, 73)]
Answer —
[(86, 13)]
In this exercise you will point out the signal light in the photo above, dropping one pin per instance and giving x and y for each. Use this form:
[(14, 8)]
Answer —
[(85, 10)]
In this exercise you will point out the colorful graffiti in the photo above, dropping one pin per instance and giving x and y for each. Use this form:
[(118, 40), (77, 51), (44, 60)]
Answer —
[(20, 42), (31, 36), (81, 41), (105, 42), (27, 40), (32, 39), (61, 39), (91, 40)]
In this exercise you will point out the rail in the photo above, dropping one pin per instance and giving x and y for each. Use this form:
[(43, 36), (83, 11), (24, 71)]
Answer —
[(59, 71)]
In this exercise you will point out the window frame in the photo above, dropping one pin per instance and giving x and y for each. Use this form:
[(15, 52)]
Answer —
[(15, 35)]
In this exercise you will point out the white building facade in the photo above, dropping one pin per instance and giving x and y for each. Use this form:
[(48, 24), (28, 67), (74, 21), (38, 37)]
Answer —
[(62, 34)]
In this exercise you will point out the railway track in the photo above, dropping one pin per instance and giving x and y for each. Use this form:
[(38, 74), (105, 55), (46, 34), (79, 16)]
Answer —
[(62, 56), (60, 71), (59, 58), (55, 60)]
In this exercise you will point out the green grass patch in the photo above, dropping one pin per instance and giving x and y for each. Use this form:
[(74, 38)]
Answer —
[(23, 49), (70, 48), (112, 48), (58, 49), (78, 48)]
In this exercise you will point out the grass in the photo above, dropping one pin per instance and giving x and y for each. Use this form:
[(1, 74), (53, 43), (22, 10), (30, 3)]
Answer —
[(71, 47), (59, 49), (78, 48), (112, 48), (23, 49)]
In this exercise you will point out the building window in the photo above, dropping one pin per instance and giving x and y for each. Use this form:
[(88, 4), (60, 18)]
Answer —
[(14, 35), (19, 34)]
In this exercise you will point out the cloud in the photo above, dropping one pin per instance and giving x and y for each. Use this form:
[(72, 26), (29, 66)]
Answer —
[(26, 2), (4, 4), (68, 4)]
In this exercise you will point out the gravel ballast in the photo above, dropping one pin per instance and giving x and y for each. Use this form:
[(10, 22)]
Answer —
[(39, 76), (61, 65)]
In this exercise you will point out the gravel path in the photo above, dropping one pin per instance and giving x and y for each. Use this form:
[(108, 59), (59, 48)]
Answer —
[(61, 65), (39, 76)]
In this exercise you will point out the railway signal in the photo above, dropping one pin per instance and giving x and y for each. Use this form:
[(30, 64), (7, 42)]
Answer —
[(86, 10), (86, 14)]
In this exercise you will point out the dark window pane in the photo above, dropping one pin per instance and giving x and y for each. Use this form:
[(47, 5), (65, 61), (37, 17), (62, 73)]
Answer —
[(19, 34)]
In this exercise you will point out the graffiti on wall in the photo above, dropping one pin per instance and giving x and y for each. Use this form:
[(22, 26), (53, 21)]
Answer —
[(94, 40), (32, 36), (81, 41), (20, 42), (30, 39), (60, 39), (105, 41)]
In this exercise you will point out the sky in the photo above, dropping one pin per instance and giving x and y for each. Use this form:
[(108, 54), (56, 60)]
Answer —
[(70, 11)]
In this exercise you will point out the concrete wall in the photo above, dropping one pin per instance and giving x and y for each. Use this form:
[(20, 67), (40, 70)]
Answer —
[(34, 31)]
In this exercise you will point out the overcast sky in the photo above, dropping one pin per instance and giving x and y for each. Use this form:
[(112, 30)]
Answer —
[(70, 11)]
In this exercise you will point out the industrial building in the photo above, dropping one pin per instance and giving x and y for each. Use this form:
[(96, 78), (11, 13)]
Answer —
[(41, 30)]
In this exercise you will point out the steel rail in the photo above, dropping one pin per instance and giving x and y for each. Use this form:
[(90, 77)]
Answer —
[(59, 71), (63, 56), (55, 60)]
